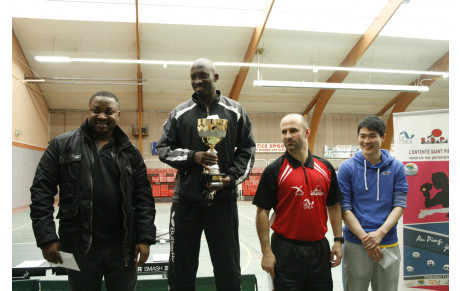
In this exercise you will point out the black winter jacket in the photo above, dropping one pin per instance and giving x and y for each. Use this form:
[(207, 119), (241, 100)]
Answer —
[(180, 140), (67, 163)]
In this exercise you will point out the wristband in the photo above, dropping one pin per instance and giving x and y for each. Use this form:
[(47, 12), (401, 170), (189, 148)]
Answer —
[(339, 238)]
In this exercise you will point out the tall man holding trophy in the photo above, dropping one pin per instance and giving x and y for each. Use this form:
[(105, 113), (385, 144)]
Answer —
[(205, 191)]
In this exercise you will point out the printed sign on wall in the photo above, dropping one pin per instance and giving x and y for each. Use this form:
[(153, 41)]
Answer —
[(270, 148)]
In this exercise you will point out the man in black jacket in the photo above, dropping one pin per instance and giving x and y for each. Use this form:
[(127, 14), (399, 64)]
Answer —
[(106, 209), (191, 212)]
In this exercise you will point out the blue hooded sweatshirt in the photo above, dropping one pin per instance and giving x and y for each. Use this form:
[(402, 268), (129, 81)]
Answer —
[(371, 192)]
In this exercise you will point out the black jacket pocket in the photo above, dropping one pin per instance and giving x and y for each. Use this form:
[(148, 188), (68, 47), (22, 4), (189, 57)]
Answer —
[(70, 167)]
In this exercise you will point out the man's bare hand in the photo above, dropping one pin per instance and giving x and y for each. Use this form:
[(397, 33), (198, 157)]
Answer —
[(268, 263), (372, 239), (142, 251), (225, 182), (375, 254), (205, 159), (336, 254), (51, 253)]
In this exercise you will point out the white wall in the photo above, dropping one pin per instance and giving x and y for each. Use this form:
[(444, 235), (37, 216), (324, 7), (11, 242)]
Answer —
[(25, 162), (31, 117)]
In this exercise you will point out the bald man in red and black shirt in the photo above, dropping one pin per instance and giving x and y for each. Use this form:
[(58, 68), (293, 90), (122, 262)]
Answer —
[(302, 189)]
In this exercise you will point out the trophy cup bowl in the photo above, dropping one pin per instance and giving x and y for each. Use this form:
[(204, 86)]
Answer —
[(212, 131)]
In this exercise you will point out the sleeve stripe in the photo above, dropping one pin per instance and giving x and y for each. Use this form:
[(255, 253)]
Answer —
[(180, 157), (246, 172), (179, 113), (238, 114), (285, 174), (319, 169)]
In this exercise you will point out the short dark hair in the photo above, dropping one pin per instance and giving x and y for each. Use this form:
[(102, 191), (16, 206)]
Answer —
[(373, 122), (105, 94)]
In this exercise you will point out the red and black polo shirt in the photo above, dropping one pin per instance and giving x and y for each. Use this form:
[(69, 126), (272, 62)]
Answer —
[(299, 194)]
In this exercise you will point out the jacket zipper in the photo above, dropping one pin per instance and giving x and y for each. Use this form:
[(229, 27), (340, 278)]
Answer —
[(92, 194), (124, 202)]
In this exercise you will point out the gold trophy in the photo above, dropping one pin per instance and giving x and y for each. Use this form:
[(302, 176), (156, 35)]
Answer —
[(212, 131)]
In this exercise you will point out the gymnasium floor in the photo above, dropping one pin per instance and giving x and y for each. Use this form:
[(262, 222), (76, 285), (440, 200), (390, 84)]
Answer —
[(249, 243)]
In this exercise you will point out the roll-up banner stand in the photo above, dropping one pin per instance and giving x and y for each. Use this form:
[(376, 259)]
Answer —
[(421, 142)]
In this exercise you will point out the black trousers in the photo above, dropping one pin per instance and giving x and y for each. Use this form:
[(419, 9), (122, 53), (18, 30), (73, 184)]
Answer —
[(301, 266), (107, 262), (220, 224)]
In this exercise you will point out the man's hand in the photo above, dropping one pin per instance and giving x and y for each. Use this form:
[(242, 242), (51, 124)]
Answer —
[(142, 251), (51, 253), (225, 182), (205, 159), (375, 254), (336, 254), (268, 263), (371, 243), (372, 239)]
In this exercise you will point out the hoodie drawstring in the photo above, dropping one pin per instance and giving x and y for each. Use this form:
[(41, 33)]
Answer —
[(378, 184), (378, 179), (365, 172)]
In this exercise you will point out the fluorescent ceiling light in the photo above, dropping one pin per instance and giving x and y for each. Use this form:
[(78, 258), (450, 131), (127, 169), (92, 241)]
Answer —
[(53, 59), (349, 86), (33, 80), (313, 68), (87, 81), (96, 83), (84, 82)]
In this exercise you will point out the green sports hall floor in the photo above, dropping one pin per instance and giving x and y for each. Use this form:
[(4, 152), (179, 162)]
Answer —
[(249, 243)]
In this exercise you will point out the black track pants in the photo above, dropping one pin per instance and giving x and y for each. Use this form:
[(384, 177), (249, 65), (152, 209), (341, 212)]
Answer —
[(220, 224), (301, 266)]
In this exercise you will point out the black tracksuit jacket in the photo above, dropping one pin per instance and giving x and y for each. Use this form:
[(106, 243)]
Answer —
[(180, 140)]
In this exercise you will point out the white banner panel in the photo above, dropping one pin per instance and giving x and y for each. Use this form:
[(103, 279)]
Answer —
[(422, 137)]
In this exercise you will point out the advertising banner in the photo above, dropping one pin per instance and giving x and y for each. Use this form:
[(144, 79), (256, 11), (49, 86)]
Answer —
[(270, 148), (421, 141), (340, 151)]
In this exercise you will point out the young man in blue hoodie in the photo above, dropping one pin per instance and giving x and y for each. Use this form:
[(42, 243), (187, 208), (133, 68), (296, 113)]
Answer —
[(374, 188)]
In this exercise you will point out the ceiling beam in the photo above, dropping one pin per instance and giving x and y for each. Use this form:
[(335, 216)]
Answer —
[(403, 100), (323, 95), (251, 51)]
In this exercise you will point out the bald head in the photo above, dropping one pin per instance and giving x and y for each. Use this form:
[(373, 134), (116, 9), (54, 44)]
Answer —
[(204, 63), (298, 118), (294, 133)]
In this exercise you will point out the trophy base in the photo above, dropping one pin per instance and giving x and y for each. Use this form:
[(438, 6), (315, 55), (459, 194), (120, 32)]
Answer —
[(213, 179)]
